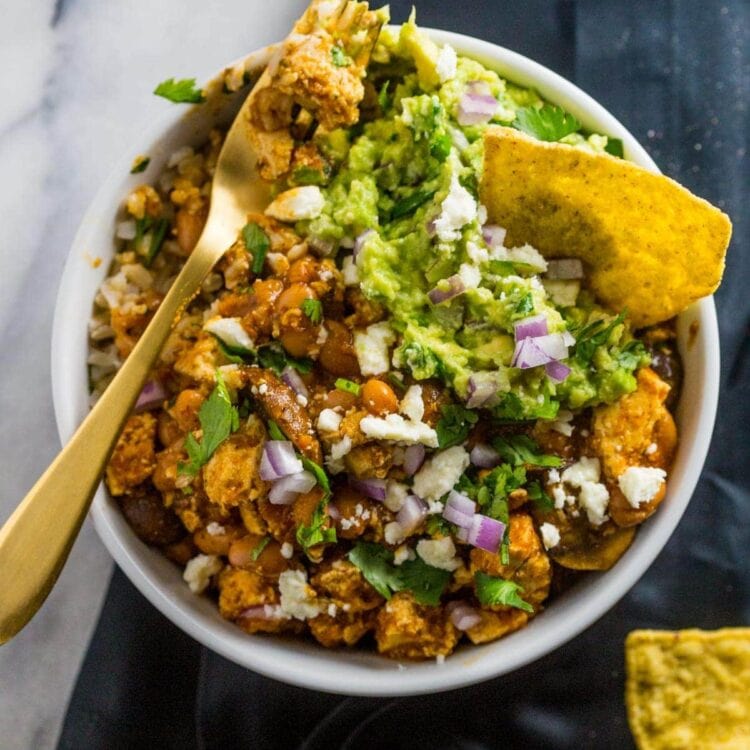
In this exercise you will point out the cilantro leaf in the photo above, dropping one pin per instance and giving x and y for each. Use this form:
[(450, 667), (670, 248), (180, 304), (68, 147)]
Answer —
[(492, 496), (546, 123), (158, 234), (339, 57), (614, 147), (454, 425), (521, 449), (319, 474), (383, 99), (525, 305), (539, 497), (632, 355), (139, 164), (259, 547), (491, 590), (348, 385), (315, 533), (313, 309), (275, 431), (440, 146), (593, 335), (376, 565), (218, 420), (183, 91), (273, 357), (411, 203), (238, 355), (425, 582), (309, 176), (257, 244)]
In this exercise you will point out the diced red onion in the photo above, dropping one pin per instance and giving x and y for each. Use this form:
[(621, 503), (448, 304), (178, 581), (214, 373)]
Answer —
[(153, 394), (463, 615), (557, 371), (568, 338), (481, 391), (292, 378), (486, 533), (455, 286), (286, 489), (462, 534), (334, 512), (413, 459), (531, 327), (372, 488), (411, 514), (484, 456), (460, 502), (455, 516), (553, 344), (278, 460), (431, 227), (474, 109), (494, 235), (564, 268), (478, 87), (261, 612), (539, 350), (360, 241)]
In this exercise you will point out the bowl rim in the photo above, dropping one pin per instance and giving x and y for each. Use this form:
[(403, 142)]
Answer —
[(327, 672)]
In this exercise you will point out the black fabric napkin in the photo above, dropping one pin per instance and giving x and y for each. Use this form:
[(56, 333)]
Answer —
[(677, 73)]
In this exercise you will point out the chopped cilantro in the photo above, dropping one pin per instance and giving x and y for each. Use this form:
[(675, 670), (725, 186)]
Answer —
[(632, 355), (547, 123), (238, 355), (313, 309), (525, 305), (521, 449), (396, 382), (436, 524), (315, 533), (139, 164), (339, 57), (501, 267), (593, 335), (492, 495), (491, 590), (539, 497), (257, 244), (440, 146), (383, 99), (273, 357), (319, 474), (259, 547), (309, 176), (275, 431), (454, 425), (425, 582), (158, 233), (183, 91), (411, 203), (614, 147), (347, 385), (218, 420)]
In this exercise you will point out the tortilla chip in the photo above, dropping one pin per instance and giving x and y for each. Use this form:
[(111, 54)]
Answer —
[(689, 689), (651, 246)]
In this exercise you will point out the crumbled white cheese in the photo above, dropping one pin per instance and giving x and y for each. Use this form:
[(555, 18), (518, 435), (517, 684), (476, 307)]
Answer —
[(322, 336), (287, 551), (652, 448), (402, 554), (550, 535), (440, 553), (481, 217), (584, 470), (395, 427), (395, 494), (230, 331), (593, 497), (561, 497), (329, 421), (371, 347), (350, 271), (640, 484), (457, 210), (411, 404), (440, 659), (341, 448), (393, 533), (445, 65), (301, 400), (439, 475), (297, 598), (263, 389), (469, 275), (215, 529), (332, 610), (305, 202), (434, 507), (198, 572), (477, 255), (563, 423), (563, 292), (528, 255), (553, 475)]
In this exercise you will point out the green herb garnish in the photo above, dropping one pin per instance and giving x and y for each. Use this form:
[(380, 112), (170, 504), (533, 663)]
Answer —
[(259, 547), (315, 533), (183, 91), (454, 425), (521, 449), (339, 57), (383, 99), (309, 176), (614, 147), (273, 357), (348, 385), (275, 431), (493, 493), (313, 309), (592, 336), (525, 305), (158, 233), (539, 497), (257, 244), (440, 146), (411, 203), (425, 582), (491, 590), (238, 355), (139, 164), (546, 123)]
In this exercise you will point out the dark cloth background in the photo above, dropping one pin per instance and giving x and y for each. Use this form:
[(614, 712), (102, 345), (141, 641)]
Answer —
[(677, 74)]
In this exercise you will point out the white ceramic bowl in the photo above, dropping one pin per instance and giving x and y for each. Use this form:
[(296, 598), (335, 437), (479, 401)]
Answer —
[(307, 664)]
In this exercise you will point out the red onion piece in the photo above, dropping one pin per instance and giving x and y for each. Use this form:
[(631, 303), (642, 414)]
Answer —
[(553, 345), (261, 612), (484, 456), (454, 287), (292, 378), (431, 228), (463, 615), (372, 488), (455, 516), (286, 489), (334, 512), (462, 534), (152, 395), (461, 503), (474, 109), (360, 241), (278, 460), (539, 350), (486, 533), (482, 389), (564, 268), (478, 87), (531, 327), (568, 338), (411, 514), (557, 371), (494, 235), (413, 459)]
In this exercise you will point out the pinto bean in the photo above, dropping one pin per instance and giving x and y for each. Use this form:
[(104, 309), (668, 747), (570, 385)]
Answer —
[(150, 520), (337, 353)]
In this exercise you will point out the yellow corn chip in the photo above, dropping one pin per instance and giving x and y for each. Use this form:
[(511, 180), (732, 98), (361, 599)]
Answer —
[(689, 689), (651, 246)]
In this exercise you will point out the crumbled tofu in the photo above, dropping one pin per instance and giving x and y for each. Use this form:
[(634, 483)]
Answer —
[(395, 427), (371, 347), (299, 203), (584, 470), (457, 210), (395, 494), (439, 475), (329, 421), (563, 423), (470, 275), (412, 405), (593, 497), (215, 529), (297, 598), (639, 484), (198, 572), (550, 535), (402, 554), (287, 551), (445, 65), (393, 533), (230, 331), (440, 553), (350, 271)]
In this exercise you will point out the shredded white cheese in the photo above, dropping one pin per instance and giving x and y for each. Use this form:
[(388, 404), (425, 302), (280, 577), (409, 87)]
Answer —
[(640, 484)]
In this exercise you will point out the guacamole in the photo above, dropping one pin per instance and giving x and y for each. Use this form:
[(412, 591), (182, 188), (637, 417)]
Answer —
[(405, 198)]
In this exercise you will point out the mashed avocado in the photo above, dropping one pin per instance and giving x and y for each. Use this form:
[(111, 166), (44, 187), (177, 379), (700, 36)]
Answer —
[(405, 193)]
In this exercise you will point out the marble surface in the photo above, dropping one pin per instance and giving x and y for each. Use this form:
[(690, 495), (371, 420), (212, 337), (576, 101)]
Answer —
[(75, 83)]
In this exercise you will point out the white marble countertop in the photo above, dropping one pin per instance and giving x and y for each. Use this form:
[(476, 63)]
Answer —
[(75, 83)]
